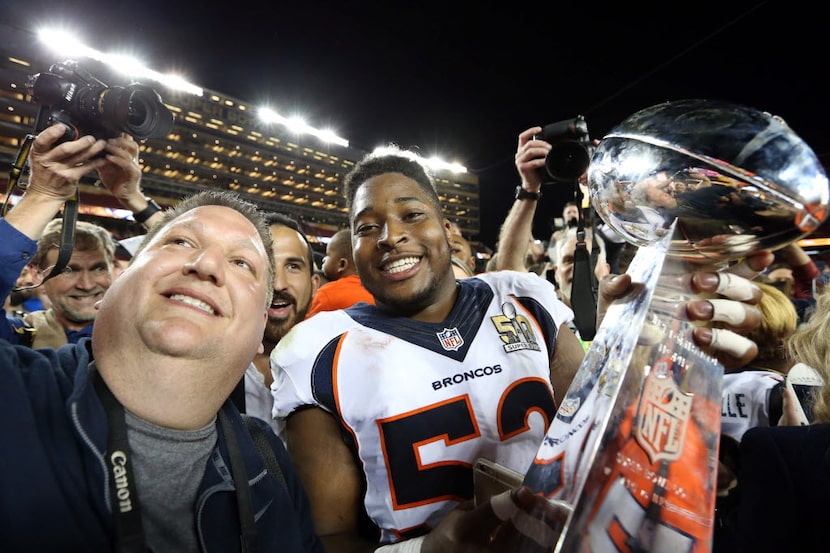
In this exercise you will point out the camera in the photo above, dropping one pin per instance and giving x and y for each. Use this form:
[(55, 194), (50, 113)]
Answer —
[(71, 96), (571, 150)]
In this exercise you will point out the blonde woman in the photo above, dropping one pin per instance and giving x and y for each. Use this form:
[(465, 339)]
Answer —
[(785, 470)]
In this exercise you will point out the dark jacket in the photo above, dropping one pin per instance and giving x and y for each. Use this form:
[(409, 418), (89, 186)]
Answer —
[(53, 488), (784, 483), (16, 249)]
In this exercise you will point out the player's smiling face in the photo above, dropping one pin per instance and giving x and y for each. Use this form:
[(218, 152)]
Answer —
[(401, 244)]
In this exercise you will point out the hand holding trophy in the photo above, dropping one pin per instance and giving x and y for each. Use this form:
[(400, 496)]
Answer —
[(700, 186)]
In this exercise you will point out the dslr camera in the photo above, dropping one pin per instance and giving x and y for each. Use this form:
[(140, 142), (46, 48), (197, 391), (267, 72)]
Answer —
[(571, 150), (71, 96)]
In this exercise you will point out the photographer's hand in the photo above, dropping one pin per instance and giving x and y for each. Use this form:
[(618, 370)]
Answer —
[(54, 175), (121, 174), (530, 159), (516, 231)]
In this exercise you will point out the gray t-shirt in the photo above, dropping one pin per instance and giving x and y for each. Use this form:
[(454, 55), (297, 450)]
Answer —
[(169, 466)]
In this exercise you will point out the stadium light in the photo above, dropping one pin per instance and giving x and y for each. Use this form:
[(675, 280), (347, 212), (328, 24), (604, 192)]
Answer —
[(438, 163), (298, 125), (68, 45), (434, 163)]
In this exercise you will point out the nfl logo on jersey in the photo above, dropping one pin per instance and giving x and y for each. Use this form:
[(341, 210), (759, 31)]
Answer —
[(450, 339)]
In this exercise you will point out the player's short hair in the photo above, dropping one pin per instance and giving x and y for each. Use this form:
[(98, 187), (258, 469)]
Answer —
[(389, 160)]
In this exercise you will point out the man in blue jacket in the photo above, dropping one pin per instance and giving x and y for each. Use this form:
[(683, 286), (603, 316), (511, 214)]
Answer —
[(126, 441)]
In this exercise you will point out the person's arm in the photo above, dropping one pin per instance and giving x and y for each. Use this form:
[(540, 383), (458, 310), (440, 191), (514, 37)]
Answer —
[(53, 179), (121, 175), (54, 176), (567, 357), (517, 229), (803, 267), (15, 251), (331, 478)]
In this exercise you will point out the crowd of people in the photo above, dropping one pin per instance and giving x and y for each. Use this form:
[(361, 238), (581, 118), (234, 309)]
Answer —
[(372, 394)]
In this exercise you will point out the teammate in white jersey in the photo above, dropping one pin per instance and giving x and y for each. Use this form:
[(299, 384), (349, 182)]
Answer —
[(388, 406)]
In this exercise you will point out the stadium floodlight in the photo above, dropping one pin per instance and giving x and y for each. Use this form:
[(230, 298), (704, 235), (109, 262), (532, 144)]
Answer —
[(66, 44), (437, 163), (328, 135), (298, 125), (268, 115), (433, 163)]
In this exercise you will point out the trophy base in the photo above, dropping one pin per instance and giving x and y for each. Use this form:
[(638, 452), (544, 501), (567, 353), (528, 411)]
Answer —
[(633, 447)]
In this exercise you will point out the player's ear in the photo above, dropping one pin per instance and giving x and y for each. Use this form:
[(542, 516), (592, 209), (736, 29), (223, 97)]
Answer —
[(448, 229)]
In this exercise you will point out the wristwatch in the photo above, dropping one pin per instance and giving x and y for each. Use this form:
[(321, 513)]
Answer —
[(522, 194), (151, 209)]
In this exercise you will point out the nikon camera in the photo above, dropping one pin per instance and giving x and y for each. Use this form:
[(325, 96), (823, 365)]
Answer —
[(71, 96)]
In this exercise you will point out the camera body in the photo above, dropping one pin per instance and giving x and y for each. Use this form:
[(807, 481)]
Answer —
[(71, 96), (571, 150)]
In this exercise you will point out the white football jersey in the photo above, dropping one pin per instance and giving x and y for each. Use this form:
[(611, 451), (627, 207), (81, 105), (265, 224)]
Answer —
[(746, 401), (422, 401)]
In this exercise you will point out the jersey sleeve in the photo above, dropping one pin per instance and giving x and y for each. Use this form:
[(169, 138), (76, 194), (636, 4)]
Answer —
[(292, 360), (745, 401)]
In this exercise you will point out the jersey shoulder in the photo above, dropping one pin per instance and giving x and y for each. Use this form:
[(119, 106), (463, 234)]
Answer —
[(527, 286)]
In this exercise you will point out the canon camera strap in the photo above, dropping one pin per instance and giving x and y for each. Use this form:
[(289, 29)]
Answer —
[(129, 532)]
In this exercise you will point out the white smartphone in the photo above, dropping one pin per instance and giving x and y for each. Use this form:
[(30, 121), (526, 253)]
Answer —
[(802, 416), (805, 382), (490, 478)]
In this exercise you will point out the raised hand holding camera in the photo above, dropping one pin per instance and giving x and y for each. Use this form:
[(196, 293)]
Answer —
[(82, 104), (83, 126), (570, 153), (54, 175)]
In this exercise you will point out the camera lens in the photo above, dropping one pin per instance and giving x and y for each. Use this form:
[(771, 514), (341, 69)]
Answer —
[(567, 161), (146, 116), (93, 106), (136, 110)]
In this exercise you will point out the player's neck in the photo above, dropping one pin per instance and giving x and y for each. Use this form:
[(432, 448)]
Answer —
[(442, 305)]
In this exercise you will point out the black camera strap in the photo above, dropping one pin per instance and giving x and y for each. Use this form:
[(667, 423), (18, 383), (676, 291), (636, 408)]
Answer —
[(70, 208), (129, 532), (18, 167), (68, 223), (243, 491), (583, 287)]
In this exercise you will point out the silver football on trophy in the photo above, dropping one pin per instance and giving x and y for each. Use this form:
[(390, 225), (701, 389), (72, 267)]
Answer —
[(736, 180)]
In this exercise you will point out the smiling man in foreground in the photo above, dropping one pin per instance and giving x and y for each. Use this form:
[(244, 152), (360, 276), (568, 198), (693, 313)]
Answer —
[(127, 441)]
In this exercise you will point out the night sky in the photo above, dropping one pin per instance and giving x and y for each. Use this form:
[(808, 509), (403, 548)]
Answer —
[(462, 80)]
